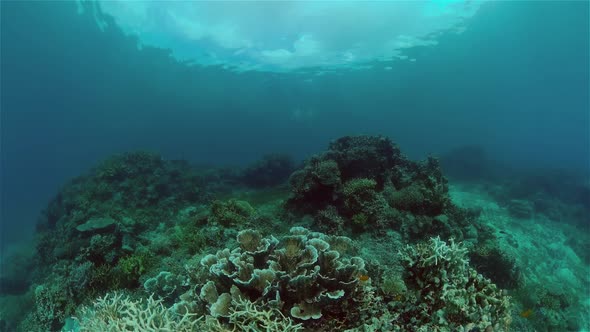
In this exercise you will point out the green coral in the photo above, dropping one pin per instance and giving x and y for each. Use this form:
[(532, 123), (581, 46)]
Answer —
[(407, 199), (358, 192), (360, 220), (190, 237), (231, 212), (363, 203), (132, 267), (51, 308), (393, 286)]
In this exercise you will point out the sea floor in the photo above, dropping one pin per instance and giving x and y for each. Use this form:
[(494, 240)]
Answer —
[(545, 251)]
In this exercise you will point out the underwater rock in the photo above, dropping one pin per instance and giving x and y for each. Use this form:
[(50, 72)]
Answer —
[(361, 184)]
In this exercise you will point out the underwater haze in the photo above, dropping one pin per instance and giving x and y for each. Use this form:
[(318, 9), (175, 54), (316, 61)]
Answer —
[(515, 81), (97, 94)]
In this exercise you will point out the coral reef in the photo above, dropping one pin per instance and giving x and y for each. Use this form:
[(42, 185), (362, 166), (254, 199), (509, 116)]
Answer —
[(447, 293), (365, 183), (91, 238), (171, 246)]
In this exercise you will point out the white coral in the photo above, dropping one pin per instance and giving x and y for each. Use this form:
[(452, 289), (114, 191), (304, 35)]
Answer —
[(118, 313)]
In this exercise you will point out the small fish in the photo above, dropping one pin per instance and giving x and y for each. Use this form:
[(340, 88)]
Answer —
[(364, 277), (527, 313)]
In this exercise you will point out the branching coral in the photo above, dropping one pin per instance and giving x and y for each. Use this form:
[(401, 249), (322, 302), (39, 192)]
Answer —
[(116, 312), (448, 293)]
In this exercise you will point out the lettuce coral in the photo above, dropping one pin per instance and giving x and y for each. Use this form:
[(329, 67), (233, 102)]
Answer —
[(299, 275)]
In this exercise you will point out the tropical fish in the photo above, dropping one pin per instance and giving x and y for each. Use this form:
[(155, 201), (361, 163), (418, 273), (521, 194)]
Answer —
[(527, 313), (364, 277)]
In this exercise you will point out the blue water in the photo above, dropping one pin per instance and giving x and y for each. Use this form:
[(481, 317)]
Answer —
[(515, 82)]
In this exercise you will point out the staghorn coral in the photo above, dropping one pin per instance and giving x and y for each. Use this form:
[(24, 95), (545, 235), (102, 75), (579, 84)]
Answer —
[(116, 312)]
